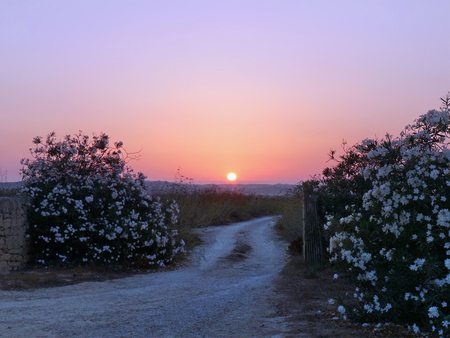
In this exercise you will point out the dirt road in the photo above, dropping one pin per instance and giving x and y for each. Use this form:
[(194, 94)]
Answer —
[(225, 291)]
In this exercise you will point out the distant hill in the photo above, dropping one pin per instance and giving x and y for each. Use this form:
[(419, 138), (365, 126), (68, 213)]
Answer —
[(10, 185), (160, 187)]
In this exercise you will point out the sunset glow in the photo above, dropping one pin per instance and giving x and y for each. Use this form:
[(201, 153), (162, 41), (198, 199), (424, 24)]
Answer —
[(268, 86), (231, 176)]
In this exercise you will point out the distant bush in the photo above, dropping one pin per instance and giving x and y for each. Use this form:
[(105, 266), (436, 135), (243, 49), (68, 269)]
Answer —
[(386, 206), (87, 206)]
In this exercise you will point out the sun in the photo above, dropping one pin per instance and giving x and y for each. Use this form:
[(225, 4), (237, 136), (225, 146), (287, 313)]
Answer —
[(231, 176)]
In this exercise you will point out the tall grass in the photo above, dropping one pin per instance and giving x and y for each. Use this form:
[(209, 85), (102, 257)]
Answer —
[(9, 192), (290, 224), (214, 207), (201, 208)]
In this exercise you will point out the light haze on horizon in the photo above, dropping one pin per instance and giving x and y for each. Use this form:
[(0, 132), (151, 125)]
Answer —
[(261, 88)]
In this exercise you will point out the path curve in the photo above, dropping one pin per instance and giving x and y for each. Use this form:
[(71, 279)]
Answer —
[(225, 291)]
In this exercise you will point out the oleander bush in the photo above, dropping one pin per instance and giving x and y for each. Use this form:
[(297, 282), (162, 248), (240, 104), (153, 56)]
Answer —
[(386, 209), (87, 206)]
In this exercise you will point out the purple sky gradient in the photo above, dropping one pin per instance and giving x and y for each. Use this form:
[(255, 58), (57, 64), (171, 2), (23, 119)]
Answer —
[(264, 88)]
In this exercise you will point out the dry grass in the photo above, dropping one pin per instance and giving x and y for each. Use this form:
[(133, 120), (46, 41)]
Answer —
[(290, 224), (9, 192), (214, 207)]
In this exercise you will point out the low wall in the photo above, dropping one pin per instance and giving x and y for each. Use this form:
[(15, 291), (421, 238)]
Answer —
[(13, 246)]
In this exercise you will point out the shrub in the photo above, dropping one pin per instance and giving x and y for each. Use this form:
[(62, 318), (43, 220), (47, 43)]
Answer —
[(389, 226), (88, 206), (290, 224)]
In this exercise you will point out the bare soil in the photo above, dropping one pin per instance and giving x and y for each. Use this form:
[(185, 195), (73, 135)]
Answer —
[(33, 277), (36, 278)]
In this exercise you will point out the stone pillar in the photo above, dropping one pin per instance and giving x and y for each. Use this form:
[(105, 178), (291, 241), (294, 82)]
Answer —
[(13, 226)]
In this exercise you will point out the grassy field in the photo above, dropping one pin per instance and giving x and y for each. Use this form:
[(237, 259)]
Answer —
[(214, 207), (217, 207), (8, 192)]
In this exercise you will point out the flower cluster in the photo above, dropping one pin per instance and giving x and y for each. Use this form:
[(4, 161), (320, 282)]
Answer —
[(389, 227), (86, 206)]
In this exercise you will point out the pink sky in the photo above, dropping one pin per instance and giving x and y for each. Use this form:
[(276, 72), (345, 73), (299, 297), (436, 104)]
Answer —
[(262, 88)]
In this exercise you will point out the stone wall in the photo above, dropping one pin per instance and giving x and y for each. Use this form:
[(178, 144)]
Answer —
[(13, 246)]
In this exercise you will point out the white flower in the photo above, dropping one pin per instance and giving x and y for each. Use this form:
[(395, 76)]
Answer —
[(433, 312), (418, 263), (341, 309), (434, 118), (415, 328), (443, 218)]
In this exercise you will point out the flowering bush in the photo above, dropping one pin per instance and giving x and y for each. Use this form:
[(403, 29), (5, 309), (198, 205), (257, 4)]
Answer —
[(87, 206), (390, 230)]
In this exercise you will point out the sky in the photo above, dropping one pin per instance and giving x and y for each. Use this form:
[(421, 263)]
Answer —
[(262, 88)]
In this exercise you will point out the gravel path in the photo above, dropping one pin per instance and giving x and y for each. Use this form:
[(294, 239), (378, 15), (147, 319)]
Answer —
[(225, 291)]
